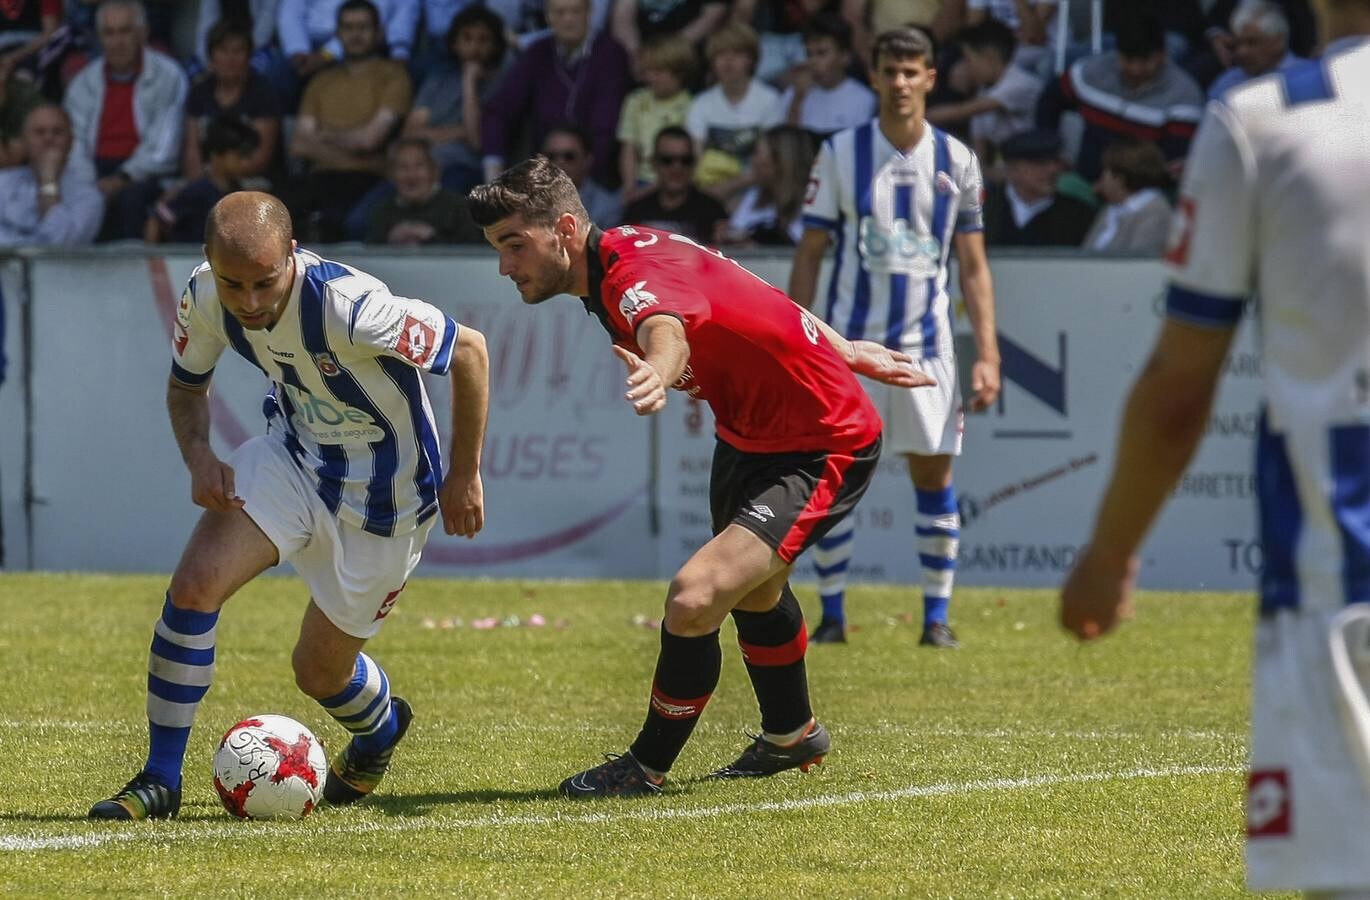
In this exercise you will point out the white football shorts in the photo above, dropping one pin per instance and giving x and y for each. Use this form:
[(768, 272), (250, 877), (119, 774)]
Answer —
[(354, 576), (1307, 804), (924, 421)]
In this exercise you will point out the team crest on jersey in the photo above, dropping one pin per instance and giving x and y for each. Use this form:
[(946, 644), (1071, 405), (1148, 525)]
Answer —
[(945, 185), (418, 341), (634, 300), (326, 363)]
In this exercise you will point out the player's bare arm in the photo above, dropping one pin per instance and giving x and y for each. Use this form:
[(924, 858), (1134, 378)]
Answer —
[(1162, 423), (463, 496), (808, 259), (211, 479), (873, 360), (662, 339), (977, 287)]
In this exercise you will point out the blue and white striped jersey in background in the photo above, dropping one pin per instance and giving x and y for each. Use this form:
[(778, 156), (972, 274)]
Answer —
[(894, 217), (1276, 203), (348, 400)]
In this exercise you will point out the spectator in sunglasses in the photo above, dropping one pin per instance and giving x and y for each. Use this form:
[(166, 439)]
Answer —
[(568, 148), (676, 204)]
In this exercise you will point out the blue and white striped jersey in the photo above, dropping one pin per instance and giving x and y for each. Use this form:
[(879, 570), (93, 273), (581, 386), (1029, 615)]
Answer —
[(1276, 204), (347, 399), (894, 216)]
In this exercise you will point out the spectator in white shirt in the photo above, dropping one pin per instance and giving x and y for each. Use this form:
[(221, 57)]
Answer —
[(52, 201), (1007, 101), (727, 119), (822, 97)]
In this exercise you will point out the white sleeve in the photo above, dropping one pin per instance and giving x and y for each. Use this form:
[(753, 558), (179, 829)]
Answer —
[(413, 331), (970, 212), (1211, 252), (821, 206), (197, 341)]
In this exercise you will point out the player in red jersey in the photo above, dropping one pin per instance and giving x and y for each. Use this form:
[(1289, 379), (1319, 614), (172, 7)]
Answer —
[(798, 442)]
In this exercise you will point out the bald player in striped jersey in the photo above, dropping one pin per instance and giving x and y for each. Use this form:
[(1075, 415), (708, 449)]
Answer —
[(1275, 205), (899, 196), (345, 484)]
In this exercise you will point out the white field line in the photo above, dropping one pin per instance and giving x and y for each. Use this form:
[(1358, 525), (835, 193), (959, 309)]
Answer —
[(651, 811)]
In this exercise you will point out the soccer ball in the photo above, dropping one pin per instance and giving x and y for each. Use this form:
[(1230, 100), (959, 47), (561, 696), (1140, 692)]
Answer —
[(269, 767)]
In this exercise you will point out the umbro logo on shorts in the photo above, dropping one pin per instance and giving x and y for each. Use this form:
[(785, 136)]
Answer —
[(761, 512)]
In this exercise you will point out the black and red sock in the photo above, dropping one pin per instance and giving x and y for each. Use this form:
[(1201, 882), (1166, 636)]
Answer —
[(773, 645), (686, 674)]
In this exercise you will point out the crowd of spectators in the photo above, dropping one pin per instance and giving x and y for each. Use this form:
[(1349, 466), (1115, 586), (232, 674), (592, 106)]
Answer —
[(129, 119)]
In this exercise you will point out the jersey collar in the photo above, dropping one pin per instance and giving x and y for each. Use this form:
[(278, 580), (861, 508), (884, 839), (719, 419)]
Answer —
[(594, 271)]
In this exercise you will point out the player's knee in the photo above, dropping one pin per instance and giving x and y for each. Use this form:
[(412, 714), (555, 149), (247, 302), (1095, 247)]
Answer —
[(691, 606), (316, 680), (193, 589)]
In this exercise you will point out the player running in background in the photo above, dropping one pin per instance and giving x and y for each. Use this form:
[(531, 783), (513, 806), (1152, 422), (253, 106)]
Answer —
[(345, 484), (900, 195), (798, 442), (1276, 205)]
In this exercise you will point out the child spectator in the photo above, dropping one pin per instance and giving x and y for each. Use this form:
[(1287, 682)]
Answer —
[(447, 109), (1007, 102), (822, 97), (1137, 217), (770, 212), (421, 211), (667, 66), (179, 218), (231, 88), (726, 120)]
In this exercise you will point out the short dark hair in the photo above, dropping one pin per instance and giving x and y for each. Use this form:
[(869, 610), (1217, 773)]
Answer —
[(906, 42), (230, 134), (423, 145), (830, 25), (1139, 164), (991, 34), (1140, 35), (536, 189), (478, 14), (672, 131), (572, 129), (364, 5), (224, 31)]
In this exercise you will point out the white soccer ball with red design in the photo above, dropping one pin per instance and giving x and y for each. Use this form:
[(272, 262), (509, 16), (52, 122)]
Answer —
[(270, 767)]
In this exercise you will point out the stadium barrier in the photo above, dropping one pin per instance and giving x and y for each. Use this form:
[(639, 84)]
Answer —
[(577, 486)]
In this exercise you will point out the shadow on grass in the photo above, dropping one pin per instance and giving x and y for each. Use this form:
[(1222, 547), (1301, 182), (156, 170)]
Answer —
[(406, 805)]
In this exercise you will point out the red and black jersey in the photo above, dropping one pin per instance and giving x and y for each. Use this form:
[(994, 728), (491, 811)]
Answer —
[(773, 381)]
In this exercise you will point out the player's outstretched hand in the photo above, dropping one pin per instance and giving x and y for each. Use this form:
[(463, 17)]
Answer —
[(462, 501), (1098, 594), (646, 391), (984, 384), (211, 483), (887, 366)]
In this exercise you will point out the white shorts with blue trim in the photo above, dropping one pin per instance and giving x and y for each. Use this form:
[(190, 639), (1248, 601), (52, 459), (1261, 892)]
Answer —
[(1308, 803), (922, 421), (354, 576)]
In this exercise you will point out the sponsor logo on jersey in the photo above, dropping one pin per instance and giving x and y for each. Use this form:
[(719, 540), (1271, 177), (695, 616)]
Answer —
[(811, 192), (180, 338), (899, 250), (284, 354), (1268, 803), (1181, 232), (810, 329), (183, 309), (330, 422), (388, 603), (634, 300), (418, 341)]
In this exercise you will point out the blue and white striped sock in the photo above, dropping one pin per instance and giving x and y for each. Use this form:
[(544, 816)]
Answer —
[(180, 669), (939, 538), (363, 707), (831, 559)]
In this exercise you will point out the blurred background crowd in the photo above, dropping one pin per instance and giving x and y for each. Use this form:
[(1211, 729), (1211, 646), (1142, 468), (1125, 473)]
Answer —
[(126, 120)]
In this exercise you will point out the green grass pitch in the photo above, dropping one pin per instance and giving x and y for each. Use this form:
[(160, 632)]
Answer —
[(1023, 765)]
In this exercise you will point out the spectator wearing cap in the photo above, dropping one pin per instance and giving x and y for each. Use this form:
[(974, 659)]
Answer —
[(1260, 45), (1135, 91), (1026, 210), (1137, 216)]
